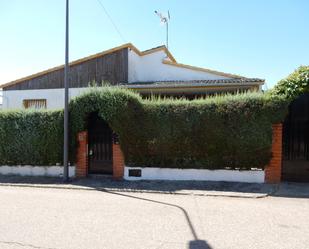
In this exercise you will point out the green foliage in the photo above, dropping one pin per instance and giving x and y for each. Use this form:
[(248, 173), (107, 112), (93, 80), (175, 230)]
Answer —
[(295, 84), (31, 137), (232, 131), (223, 131), (118, 107)]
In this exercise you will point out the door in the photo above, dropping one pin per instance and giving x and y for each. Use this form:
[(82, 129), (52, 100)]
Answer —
[(295, 166), (100, 154)]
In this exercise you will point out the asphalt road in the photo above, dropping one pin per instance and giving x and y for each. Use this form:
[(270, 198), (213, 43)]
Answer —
[(64, 219)]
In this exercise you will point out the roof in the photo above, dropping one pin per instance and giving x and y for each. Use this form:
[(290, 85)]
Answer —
[(171, 62), (196, 83), (207, 70), (79, 61)]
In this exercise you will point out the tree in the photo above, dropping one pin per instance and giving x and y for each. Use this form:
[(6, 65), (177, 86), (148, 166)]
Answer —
[(295, 84)]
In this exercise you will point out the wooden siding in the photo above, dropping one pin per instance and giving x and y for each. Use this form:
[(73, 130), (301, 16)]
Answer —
[(112, 68)]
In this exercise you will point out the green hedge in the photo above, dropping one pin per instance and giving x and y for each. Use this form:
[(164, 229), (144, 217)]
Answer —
[(231, 131), (31, 137), (225, 131)]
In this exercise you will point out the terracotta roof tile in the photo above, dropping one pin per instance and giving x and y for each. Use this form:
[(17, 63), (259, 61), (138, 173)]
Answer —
[(182, 83)]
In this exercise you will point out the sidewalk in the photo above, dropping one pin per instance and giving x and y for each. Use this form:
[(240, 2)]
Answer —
[(201, 188)]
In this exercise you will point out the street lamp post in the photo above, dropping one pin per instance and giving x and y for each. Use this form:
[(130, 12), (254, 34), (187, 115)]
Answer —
[(66, 98)]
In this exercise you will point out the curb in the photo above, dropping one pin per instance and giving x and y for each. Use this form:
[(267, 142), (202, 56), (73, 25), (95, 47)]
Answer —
[(205, 193)]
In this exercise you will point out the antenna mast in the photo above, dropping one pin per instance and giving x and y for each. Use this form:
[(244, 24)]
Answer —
[(164, 20)]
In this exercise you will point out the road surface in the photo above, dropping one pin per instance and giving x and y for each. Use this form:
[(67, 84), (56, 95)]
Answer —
[(35, 218)]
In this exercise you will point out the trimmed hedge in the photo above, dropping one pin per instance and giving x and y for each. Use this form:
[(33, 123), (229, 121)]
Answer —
[(232, 131), (31, 137), (118, 107)]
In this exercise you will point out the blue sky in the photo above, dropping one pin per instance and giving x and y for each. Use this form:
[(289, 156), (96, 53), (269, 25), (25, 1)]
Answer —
[(257, 38)]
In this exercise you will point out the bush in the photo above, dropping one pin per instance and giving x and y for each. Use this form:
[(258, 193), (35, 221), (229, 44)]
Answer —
[(231, 131), (295, 84), (31, 137), (118, 107)]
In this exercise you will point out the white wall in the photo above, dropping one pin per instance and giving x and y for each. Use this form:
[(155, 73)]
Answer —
[(1, 98), (141, 69), (251, 176), (29, 170), (150, 68), (13, 99)]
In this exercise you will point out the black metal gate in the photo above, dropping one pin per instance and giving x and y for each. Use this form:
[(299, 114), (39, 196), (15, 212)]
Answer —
[(100, 154), (295, 165)]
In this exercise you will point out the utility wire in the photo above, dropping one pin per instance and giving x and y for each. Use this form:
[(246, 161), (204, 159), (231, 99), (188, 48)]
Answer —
[(112, 22)]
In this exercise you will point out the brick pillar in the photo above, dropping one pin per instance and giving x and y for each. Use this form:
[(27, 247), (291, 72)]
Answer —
[(118, 162), (82, 154), (273, 169)]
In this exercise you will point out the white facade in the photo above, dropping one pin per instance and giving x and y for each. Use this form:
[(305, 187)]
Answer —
[(249, 176), (150, 67), (13, 99), (141, 68), (1, 98)]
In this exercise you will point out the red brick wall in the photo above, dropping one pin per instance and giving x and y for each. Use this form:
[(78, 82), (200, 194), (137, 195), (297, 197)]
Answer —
[(82, 158), (273, 169), (118, 162), (82, 154)]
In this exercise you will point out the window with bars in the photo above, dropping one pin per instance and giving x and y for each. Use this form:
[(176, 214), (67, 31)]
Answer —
[(35, 103)]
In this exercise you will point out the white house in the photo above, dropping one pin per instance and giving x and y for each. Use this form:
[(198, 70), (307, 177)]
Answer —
[(153, 71)]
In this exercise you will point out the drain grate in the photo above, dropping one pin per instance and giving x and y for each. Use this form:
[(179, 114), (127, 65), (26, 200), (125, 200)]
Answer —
[(135, 172)]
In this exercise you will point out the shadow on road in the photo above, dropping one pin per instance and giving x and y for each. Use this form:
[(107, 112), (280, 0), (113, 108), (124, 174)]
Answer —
[(193, 244), (292, 190), (198, 244)]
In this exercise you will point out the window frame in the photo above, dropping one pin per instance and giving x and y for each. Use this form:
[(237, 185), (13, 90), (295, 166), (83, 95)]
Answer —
[(36, 104)]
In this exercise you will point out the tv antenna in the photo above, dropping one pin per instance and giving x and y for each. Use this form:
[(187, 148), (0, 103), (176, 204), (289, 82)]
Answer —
[(164, 19)]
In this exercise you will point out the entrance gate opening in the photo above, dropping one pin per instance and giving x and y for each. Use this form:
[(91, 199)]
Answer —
[(100, 150), (295, 165)]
